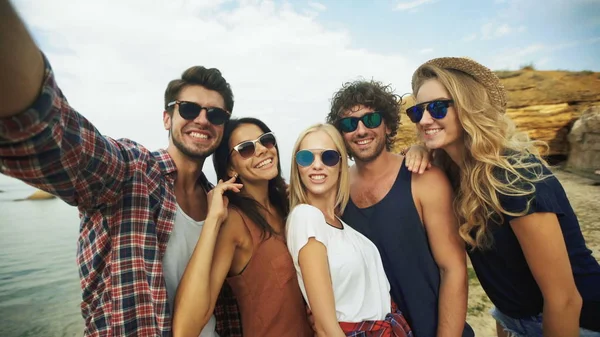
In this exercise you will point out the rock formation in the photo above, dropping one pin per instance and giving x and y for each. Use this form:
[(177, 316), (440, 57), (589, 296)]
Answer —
[(584, 140), (40, 195), (546, 104)]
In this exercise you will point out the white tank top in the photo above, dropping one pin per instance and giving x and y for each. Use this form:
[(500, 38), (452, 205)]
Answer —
[(180, 247)]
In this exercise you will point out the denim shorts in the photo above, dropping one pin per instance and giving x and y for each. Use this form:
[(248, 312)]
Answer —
[(530, 326)]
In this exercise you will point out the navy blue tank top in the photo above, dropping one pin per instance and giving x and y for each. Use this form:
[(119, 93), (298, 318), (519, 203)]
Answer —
[(395, 227), (504, 272)]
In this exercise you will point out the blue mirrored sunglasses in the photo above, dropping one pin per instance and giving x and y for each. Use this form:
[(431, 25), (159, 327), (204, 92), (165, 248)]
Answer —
[(437, 109), (328, 157)]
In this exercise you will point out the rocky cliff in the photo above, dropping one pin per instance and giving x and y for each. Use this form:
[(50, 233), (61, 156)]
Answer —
[(544, 103)]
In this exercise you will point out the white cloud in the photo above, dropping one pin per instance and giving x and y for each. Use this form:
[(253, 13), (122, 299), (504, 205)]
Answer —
[(317, 6), (575, 43), (514, 58), (406, 5), (469, 38), (491, 30), (426, 51), (543, 61), (539, 54), (503, 30), (113, 60)]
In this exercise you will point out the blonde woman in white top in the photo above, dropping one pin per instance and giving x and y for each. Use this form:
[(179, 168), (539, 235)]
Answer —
[(339, 270)]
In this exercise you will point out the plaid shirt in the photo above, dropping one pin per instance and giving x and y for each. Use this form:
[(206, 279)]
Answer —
[(394, 325), (125, 195)]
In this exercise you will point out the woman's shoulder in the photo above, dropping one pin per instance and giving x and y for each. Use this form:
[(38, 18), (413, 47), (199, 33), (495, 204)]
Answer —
[(304, 210), (235, 216), (233, 209), (304, 217)]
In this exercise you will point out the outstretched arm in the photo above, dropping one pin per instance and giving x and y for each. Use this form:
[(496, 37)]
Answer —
[(447, 248), (21, 64), (317, 281), (43, 140)]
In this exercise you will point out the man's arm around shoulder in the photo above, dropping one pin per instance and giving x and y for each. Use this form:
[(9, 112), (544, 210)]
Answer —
[(434, 194)]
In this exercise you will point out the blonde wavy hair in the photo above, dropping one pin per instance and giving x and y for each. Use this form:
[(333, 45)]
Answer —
[(297, 188), (498, 158)]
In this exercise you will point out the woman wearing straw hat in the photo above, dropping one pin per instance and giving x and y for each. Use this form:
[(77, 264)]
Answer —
[(524, 239)]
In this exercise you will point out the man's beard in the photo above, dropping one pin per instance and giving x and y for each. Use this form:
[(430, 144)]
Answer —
[(194, 154), (369, 157)]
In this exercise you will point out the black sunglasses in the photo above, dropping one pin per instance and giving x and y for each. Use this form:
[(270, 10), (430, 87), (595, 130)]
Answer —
[(191, 110), (370, 120), (307, 157), (437, 109), (247, 148)]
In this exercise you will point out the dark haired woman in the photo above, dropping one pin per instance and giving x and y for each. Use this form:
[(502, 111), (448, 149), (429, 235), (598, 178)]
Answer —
[(243, 242)]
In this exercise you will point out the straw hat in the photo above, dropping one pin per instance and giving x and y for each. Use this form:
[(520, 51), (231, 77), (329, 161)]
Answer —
[(481, 74)]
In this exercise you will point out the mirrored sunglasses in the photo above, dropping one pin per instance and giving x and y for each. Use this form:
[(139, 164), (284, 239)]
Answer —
[(328, 157), (437, 109), (371, 120)]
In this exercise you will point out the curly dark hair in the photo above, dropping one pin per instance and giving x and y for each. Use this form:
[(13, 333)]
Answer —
[(372, 94)]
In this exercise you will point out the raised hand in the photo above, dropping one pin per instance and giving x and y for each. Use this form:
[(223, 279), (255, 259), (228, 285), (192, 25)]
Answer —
[(217, 201)]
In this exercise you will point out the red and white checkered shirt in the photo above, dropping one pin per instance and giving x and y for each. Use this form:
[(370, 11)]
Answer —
[(394, 325), (125, 195)]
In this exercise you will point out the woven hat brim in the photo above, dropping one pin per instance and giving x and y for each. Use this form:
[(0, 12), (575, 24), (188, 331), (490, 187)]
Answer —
[(481, 73)]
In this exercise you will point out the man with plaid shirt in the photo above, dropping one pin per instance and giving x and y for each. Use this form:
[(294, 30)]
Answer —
[(131, 200)]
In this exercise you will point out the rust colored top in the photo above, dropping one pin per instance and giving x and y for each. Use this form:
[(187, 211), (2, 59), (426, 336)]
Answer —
[(267, 290)]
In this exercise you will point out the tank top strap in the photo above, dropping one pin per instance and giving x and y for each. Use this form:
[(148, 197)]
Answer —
[(255, 232), (401, 187), (404, 173)]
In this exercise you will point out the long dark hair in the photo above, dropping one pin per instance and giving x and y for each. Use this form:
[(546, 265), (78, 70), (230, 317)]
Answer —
[(277, 187)]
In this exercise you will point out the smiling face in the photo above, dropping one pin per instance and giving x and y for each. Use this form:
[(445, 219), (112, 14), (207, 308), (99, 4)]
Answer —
[(438, 133), (262, 165), (318, 178), (196, 138), (365, 144)]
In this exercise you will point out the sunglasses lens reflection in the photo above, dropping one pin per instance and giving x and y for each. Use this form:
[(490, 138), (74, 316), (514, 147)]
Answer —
[(246, 150), (217, 116), (304, 158), (268, 141), (330, 157)]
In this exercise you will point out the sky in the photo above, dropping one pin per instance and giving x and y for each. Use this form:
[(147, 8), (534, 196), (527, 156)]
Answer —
[(284, 60)]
